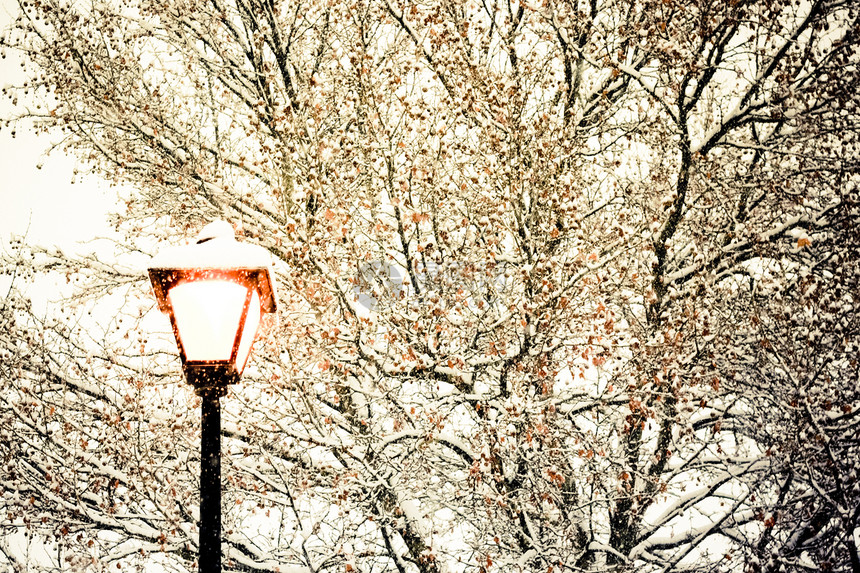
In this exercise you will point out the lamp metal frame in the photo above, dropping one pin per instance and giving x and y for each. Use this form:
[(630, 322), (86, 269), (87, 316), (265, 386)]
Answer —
[(208, 375)]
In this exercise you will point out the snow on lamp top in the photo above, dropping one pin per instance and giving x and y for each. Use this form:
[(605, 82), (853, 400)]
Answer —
[(216, 248), (216, 230), (216, 254)]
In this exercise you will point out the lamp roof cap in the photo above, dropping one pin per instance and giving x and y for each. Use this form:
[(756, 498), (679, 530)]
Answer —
[(216, 247), (216, 230)]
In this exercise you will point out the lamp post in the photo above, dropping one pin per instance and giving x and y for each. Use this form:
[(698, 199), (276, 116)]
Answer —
[(215, 293)]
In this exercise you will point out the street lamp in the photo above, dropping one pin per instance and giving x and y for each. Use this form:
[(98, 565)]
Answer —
[(215, 293)]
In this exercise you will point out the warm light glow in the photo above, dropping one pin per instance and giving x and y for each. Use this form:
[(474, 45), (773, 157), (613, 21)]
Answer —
[(252, 323), (207, 316), (215, 293)]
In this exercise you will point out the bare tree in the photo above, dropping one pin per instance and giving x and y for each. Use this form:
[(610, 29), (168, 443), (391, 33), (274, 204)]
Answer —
[(559, 283)]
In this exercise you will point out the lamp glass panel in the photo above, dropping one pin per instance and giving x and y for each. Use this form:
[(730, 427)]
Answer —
[(252, 323), (207, 317)]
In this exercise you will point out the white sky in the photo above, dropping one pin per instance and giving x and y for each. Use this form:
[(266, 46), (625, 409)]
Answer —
[(43, 203)]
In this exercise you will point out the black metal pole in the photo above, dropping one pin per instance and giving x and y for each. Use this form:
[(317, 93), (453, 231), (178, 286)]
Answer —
[(210, 481)]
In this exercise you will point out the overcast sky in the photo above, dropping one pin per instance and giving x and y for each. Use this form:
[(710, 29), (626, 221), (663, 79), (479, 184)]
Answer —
[(43, 203)]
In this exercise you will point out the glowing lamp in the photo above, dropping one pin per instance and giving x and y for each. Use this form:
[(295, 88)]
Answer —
[(215, 293)]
